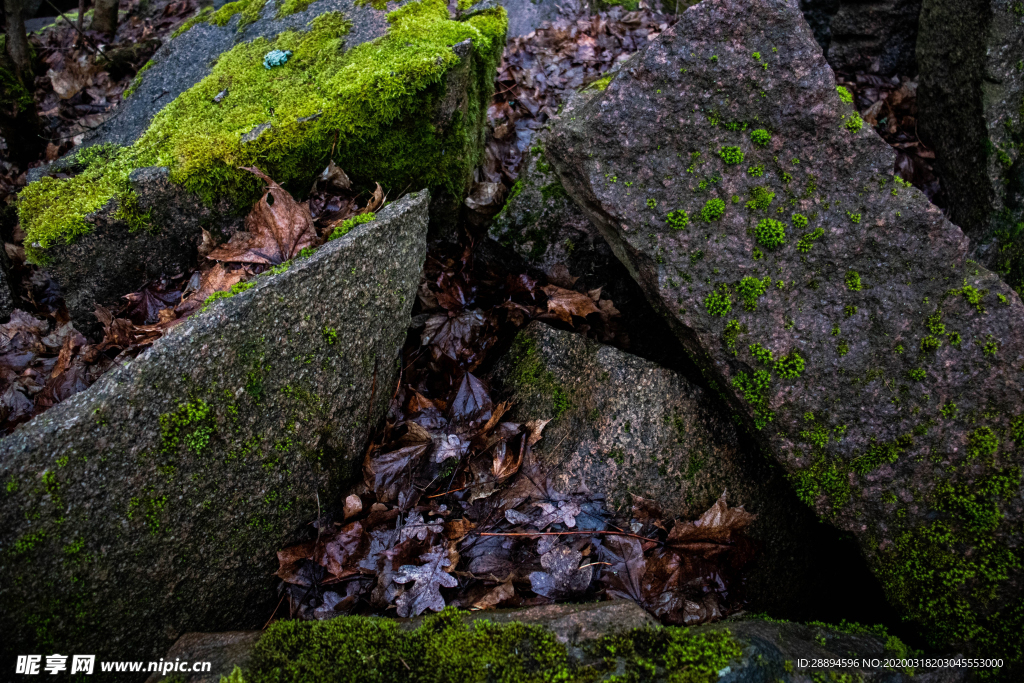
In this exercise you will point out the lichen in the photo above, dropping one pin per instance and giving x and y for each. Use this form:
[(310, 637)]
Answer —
[(377, 99)]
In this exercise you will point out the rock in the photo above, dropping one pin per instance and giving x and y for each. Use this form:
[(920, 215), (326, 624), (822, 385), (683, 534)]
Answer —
[(818, 14), (206, 105), (222, 651), (970, 92), (153, 503), (835, 308), (552, 642), (624, 426), (878, 37)]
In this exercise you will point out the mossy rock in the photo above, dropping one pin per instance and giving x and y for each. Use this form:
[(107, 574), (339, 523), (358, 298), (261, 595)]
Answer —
[(834, 306), (624, 426), (153, 503), (401, 97), (607, 641)]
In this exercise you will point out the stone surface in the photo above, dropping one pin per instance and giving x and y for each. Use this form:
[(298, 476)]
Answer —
[(770, 650), (970, 93), (624, 426), (818, 14), (893, 395), (153, 503), (117, 257), (877, 36)]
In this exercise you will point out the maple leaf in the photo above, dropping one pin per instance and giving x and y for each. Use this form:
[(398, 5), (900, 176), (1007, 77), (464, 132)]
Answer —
[(291, 560), (277, 229), (144, 306), (565, 303), (564, 576), (429, 578), (626, 567), (220, 278), (338, 550)]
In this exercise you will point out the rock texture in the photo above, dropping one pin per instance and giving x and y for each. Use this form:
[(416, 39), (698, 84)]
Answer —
[(624, 426), (762, 650), (970, 94), (835, 308), (153, 503)]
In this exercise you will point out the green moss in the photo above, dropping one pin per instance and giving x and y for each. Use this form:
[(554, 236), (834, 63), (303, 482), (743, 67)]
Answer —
[(854, 122), (852, 281), (760, 198), (678, 219), (760, 137), (236, 288), (719, 301), (761, 354), (770, 233), (601, 83), (529, 376), (444, 649), (292, 6), (731, 155), (377, 99), (348, 224), (137, 81), (844, 95), (201, 18), (553, 190), (713, 210), (754, 388), (750, 288), (790, 367), (190, 425)]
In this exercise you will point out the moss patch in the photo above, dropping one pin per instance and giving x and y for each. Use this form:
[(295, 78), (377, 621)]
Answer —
[(377, 99), (443, 648)]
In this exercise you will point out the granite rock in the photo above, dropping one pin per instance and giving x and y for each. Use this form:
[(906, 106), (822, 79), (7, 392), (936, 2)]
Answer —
[(835, 308), (153, 503)]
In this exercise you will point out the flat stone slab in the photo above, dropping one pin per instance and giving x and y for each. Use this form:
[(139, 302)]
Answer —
[(834, 307), (154, 502)]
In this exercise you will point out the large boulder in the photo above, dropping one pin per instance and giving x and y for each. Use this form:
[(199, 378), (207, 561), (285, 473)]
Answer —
[(833, 306), (970, 94), (153, 502), (400, 98), (626, 427), (564, 642)]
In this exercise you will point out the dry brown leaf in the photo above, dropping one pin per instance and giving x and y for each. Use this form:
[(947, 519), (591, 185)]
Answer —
[(220, 278), (565, 303), (376, 201), (501, 593), (457, 529), (353, 506), (534, 428), (716, 525), (278, 228)]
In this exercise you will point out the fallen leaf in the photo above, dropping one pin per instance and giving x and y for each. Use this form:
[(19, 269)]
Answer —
[(338, 550), (564, 578), (386, 474), (472, 401), (429, 578), (353, 506), (277, 229), (718, 524), (500, 593), (565, 303)]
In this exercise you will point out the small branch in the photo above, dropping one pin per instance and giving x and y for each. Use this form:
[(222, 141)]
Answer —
[(273, 613), (570, 533), (91, 45)]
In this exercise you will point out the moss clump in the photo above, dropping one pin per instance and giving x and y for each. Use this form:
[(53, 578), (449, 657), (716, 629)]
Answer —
[(760, 137), (137, 81), (292, 6), (852, 281), (718, 302), (378, 99), (201, 18), (678, 219), (807, 241), (731, 155), (754, 388), (713, 210), (790, 367), (529, 375), (443, 648), (854, 122), (760, 198), (750, 288), (770, 233), (348, 224), (844, 95)]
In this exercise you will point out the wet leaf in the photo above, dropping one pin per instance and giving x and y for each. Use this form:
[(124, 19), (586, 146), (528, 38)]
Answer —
[(565, 303), (494, 598), (473, 400), (429, 578), (339, 550), (386, 474), (719, 524), (563, 578)]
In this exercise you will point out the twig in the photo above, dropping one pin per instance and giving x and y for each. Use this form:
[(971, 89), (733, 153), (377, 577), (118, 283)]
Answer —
[(568, 533), (594, 564), (273, 613), (95, 48)]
